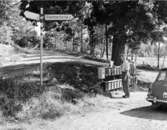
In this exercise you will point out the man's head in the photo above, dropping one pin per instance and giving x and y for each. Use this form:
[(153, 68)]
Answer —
[(123, 57)]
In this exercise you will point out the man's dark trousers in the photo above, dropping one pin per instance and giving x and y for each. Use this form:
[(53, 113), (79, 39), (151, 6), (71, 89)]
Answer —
[(125, 83)]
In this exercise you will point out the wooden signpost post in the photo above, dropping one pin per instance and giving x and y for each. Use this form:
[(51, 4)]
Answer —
[(41, 45)]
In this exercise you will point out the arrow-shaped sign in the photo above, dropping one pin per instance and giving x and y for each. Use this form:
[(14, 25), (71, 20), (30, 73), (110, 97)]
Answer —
[(58, 17), (31, 15)]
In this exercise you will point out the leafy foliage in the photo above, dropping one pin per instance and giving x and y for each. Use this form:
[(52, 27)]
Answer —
[(4, 6), (13, 28), (132, 22), (6, 34), (5, 30), (12, 91)]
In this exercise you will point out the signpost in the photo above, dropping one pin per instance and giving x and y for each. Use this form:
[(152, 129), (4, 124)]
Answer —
[(48, 17), (41, 45)]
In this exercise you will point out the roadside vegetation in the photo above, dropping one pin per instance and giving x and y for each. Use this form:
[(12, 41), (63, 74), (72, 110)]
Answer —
[(65, 88)]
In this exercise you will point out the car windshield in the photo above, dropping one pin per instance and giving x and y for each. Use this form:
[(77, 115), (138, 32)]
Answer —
[(162, 76)]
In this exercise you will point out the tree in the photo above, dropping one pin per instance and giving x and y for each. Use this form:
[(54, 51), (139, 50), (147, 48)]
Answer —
[(23, 32), (13, 28), (132, 22), (54, 7), (5, 30), (79, 9), (4, 6), (6, 34)]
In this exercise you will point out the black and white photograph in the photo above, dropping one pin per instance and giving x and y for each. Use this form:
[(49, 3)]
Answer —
[(83, 64)]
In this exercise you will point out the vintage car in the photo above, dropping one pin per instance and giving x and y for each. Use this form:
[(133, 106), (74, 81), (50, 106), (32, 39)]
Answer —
[(157, 93)]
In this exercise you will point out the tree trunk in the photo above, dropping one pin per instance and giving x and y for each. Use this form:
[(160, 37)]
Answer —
[(106, 35), (102, 52), (102, 47), (73, 44), (158, 56), (91, 42), (118, 48), (82, 46)]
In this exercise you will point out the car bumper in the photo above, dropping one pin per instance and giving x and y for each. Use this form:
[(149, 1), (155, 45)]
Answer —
[(155, 100)]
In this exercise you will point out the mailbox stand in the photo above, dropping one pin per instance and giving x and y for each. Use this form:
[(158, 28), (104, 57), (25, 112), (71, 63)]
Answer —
[(111, 78)]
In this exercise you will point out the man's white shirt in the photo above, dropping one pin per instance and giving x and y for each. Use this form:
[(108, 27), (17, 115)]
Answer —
[(125, 66)]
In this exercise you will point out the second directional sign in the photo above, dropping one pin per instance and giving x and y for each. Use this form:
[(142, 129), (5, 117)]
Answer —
[(58, 17)]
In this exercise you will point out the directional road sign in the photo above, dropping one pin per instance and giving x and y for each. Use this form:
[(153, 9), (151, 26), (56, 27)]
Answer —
[(32, 15), (58, 17)]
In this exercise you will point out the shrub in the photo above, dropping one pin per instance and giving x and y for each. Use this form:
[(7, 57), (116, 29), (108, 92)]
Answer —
[(13, 93)]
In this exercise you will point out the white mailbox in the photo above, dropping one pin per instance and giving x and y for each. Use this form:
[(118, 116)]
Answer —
[(101, 73)]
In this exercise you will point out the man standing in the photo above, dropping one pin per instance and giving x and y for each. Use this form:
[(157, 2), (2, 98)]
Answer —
[(132, 72), (125, 76)]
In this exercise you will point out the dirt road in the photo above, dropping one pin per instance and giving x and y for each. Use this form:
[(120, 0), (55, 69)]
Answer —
[(107, 114)]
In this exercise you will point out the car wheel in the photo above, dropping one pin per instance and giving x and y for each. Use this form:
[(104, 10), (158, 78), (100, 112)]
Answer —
[(156, 105)]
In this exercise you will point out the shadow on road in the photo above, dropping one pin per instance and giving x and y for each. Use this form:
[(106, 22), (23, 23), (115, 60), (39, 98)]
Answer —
[(147, 113)]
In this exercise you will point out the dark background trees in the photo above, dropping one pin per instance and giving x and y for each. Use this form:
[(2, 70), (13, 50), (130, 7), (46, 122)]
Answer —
[(131, 22), (14, 29)]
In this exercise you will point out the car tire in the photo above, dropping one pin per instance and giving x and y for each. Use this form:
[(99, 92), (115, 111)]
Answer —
[(156, 105)]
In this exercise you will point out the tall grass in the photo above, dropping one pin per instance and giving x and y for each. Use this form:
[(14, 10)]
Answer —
[(46, 106), (63, 93), (28, 100), (13, 93)]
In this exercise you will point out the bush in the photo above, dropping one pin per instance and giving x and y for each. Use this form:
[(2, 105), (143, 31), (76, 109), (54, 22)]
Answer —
[(47, 106), (74, 74), (16, 89), (13, 93), (9, 107), (28, 41)]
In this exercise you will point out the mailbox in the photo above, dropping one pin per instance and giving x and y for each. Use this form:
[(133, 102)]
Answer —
[(108, 71), (101, 73), (113, 84), (111, 77)]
